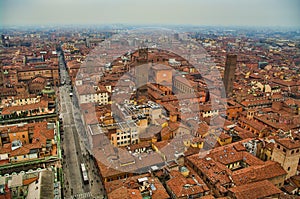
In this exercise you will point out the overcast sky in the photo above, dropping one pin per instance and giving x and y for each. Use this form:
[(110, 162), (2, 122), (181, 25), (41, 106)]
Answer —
[(194, 12)]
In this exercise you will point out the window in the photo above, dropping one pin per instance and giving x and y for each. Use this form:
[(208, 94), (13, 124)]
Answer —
[(289, 168), (23, 136), (284, 150), (292, 152)]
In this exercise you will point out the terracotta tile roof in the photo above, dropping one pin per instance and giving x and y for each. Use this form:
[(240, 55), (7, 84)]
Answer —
[(254, 124), (230, 155), (130, 183), (191, 151), (183, 187), (89, 113), (39, 79), (239, 147), (124, 186), (4, 162), (29, 181), (202, 129), (136, 164), (165, 131), (20, 151), (6, 148), (224, 135), (125, 193), (140, 146), (213, 166), (243, 133), (40, 136), (12, 109), (289, 188), (161, 144), (288, 143), (215, 171), (155, 94), (150, 131), (268, 170), (85, 89), (255, 190)]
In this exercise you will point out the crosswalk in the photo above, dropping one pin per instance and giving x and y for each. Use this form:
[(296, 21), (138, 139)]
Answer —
[(82, 195)]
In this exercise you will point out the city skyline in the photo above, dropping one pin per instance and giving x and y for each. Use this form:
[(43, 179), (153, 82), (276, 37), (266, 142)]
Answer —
[(119, 111), (190, 12)]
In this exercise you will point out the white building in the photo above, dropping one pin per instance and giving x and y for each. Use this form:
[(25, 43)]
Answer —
[(92, 94)]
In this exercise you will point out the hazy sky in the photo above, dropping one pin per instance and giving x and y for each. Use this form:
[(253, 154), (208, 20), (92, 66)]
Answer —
[(195, 12)]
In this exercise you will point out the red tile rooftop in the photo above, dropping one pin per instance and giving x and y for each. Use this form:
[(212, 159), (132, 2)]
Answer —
[(289, 143), (29, 180), (161, 144), (255, 190), (125, 193), (131, 183), (40, 134), (186, 186), (40, 105), (224, 135), (85, 89), (214, 170), (191, 151), (140, 146), (266, 171), (254, 124), (290, 189)]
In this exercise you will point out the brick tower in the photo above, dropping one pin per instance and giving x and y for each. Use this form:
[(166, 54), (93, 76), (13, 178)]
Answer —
[(229, 75), (287, 153)]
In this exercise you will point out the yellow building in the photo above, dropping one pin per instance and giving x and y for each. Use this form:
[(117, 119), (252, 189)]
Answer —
[(224, 139), (196, 142)]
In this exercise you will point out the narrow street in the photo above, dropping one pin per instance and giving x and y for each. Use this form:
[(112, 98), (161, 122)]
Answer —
[(73, 146)]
